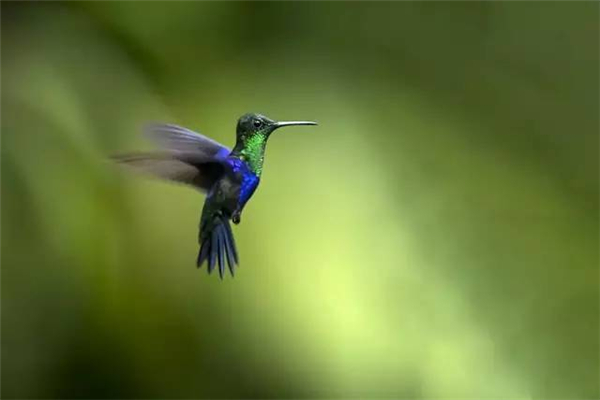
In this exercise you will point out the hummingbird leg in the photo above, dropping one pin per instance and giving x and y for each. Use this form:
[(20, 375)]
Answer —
[(236, 217)]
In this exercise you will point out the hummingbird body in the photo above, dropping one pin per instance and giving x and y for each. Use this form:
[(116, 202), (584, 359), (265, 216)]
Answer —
[(229, 178)]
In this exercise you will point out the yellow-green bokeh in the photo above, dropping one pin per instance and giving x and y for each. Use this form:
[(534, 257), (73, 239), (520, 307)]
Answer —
[(436, 236)]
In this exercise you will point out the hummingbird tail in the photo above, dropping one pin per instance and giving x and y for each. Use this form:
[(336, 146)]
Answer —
[(218, 244)]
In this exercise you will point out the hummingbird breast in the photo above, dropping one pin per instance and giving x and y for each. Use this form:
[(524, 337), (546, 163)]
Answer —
[(236, 187)]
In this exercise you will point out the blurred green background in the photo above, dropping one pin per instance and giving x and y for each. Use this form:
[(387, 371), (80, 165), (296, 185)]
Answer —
[(435, 237)]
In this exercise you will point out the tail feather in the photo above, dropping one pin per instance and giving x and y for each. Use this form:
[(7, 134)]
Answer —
[(221, 250), (229, 252), (203, 254), (232, 248), (218, 245), (214, 248)]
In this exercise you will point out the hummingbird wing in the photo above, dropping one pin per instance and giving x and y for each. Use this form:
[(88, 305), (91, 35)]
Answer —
[(188, 157), (177, 138), (192, 168)]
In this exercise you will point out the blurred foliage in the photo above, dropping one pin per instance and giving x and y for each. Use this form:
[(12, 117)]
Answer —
[(435, 236)]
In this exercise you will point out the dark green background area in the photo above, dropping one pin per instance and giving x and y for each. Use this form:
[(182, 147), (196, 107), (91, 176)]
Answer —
[(436, 236)]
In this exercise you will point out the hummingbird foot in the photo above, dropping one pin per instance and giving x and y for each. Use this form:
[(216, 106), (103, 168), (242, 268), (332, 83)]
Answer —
[(236, 217)]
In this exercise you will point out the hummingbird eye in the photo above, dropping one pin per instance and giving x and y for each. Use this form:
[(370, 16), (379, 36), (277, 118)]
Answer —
[(257, 123)]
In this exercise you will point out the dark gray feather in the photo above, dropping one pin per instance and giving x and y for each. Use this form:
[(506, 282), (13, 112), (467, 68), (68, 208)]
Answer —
[(214, 247), (177, 138), (232, 246), (203, 255), (221, 250), (229, 251), (195, 169)]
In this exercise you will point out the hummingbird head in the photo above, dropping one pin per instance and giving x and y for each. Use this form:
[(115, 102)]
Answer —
[(252, 127), (253, 131)]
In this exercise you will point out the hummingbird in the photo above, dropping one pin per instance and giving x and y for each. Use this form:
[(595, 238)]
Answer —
[(228, 177)]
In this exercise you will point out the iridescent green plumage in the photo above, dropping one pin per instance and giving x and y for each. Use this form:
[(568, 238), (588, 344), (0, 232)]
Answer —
[(252, 151)]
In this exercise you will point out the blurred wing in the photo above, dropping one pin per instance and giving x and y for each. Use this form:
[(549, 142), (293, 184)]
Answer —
[(195, 169), (177, 138)]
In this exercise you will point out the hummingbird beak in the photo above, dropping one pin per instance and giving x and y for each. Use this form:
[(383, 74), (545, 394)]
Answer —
[(290, 123)]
